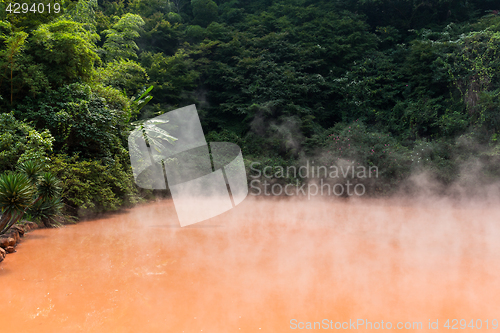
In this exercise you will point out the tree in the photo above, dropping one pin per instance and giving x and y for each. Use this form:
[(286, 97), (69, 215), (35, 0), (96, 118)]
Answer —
[(15, 44), (66, 50), (173, 77), (179, 4), (120, 42), (20, 74), (80, 121), (204, 11), (91, 186), (20, 142), (125, 75), (474, 66), (83, 12)]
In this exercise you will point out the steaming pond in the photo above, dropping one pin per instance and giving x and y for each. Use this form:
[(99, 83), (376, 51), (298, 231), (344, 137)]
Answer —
[(257, 268)]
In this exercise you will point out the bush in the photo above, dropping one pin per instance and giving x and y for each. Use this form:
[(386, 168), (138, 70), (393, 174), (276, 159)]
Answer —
[(355, 144), (227, 136), (80, 121), (20, 142), (91, 187)]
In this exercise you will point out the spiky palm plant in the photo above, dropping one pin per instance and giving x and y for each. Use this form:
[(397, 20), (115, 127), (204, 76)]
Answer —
[(16, 195), (31, 169), (48, 211), (48, 186), (25, 191), (48, 206)]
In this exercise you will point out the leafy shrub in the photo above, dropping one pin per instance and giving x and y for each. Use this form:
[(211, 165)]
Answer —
[(359, 146), (66, 50), (125, 75), (20, 142), (204, 11), (227, 136), (92, 186), (80, 121)]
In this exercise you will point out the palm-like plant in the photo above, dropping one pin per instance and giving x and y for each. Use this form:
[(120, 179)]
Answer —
[(27, 190), (31, 169), (48, 211), (48, 186), (16, 195), (47, 207)]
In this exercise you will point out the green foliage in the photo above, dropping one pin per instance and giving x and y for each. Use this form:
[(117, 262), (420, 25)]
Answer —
[(35, 193), (48, 211), (204, 11), (279, 65), (18, 73), (125, 75), (48, 186), (227, 136), (19, 142), (282, 79), (16, 193), (174, 18), (147, 8), (413, 14), (92, 186), (173, 77), (255, 167), (15, 43), (474, 66), (83, 11), (47, 206), (80, 121), (162, 33), (141, 101), (66, 50), (31, 169), (54, 54), (116, 100), (120, 42), (355, 144), (489, 110)]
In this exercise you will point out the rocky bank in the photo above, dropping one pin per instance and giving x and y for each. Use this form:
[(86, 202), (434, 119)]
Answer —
[(9, 240)]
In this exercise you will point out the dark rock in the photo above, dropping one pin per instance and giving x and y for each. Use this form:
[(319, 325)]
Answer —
[(12, 242), (25, 225), (7, 240), (10, 249), (14, 234), (19, 229), (4, 242), (31, 225)]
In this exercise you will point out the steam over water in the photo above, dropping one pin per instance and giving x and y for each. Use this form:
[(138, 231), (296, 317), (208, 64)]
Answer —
[(257, 267)]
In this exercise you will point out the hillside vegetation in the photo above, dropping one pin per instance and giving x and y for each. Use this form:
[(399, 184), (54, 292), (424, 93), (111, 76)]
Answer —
[(399, 84)]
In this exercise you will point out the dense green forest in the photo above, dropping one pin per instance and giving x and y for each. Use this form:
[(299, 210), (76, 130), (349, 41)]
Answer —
[(400, 84)]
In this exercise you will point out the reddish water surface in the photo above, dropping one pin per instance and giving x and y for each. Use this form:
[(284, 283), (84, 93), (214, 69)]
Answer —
[(256, 268)]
